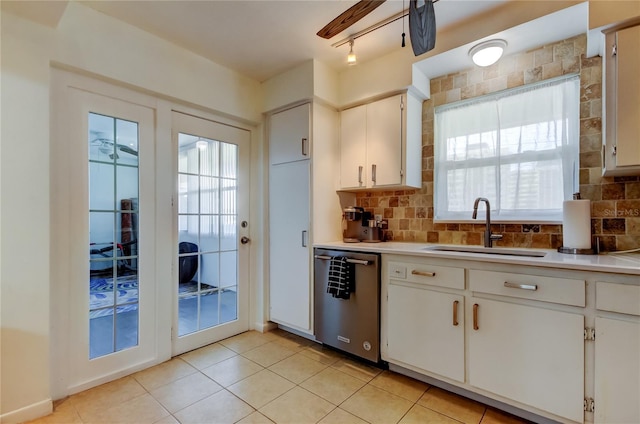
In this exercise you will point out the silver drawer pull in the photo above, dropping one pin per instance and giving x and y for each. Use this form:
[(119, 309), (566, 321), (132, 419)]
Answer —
[(423, 273), (532, 287)]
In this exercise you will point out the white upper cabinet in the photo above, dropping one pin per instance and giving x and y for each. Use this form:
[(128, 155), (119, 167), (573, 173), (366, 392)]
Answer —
[(381, 144), (353, 147), (621, 154), (290, 135), (385, 130)]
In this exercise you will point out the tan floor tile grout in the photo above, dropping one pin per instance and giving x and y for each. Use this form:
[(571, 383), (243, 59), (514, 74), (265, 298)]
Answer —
[(64, 403)]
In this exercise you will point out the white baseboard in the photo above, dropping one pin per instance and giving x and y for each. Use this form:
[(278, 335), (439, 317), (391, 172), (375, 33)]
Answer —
[(28, 413), (86, 385), (263, 327)]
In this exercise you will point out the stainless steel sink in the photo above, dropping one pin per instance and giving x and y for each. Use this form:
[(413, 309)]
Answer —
[(487, 251)]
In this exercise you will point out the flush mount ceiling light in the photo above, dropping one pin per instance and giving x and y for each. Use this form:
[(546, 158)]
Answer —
[(351, 57), (488, 52)]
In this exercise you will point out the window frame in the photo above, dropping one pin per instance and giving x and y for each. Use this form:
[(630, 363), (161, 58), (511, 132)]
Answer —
[(567, 153)]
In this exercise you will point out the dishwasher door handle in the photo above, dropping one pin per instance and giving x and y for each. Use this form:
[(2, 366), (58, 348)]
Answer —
[(358, 261), (351, 261)]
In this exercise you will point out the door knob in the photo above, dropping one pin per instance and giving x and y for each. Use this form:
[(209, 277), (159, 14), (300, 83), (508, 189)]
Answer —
[(245, 240)]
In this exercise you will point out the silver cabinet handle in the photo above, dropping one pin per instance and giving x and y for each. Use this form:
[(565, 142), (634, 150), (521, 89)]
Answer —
[(532, 287), (423, 273), (373, 173), (360, 175), (304, 238), (304, 151)]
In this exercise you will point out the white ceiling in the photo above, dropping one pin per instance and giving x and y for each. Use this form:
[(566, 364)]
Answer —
[(261, 38)]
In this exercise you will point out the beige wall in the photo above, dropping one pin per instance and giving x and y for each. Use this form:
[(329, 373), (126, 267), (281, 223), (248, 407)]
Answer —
[(91, 43), (607, 12), (410, 213)]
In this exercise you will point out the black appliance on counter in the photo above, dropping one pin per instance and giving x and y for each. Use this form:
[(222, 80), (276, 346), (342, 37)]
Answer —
[(350, 324)]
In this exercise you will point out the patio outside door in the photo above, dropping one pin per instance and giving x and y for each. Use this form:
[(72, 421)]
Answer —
[(212, 246), (108, 157)]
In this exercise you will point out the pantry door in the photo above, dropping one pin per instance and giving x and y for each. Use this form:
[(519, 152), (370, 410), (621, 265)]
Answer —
[(211, 268)]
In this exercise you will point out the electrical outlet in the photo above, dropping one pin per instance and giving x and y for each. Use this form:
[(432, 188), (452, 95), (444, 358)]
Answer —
[(378, 218)]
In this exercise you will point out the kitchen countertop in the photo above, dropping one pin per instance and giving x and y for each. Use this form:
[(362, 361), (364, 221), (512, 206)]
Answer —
[(626, 263)]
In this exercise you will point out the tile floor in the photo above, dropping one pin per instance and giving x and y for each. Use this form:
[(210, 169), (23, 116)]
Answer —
[(264, 378)]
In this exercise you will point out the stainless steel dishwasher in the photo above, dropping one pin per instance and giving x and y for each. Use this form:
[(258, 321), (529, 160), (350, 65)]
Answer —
[(351, 325)]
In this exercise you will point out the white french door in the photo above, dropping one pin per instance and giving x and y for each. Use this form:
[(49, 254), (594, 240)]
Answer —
[(109, 164), (211, 211)]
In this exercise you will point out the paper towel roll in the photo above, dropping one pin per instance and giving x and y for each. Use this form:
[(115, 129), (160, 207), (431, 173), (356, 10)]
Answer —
[(576, 224)]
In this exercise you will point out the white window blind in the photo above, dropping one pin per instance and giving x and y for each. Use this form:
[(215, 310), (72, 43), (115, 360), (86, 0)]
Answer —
[(519, 148)]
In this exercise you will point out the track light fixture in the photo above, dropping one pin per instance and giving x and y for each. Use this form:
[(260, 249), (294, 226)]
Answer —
[(351, 57)]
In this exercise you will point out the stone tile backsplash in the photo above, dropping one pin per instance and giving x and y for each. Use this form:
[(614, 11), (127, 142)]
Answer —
[(615, 201)]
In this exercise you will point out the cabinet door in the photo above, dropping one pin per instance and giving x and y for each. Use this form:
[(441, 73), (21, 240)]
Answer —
[(353, 147), (628, 93), (289, 266), (617, 371), (531, 355), (422, 332), (289, 135), (384, 142)]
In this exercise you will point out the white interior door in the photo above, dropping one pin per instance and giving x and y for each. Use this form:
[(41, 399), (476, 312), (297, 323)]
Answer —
[(109, 193), (212, 213)]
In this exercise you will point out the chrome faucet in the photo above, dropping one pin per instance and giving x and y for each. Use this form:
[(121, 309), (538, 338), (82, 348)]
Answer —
[(488, 236)]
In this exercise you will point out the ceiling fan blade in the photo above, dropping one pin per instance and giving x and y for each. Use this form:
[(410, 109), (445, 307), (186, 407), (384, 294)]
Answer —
[(349, 17)]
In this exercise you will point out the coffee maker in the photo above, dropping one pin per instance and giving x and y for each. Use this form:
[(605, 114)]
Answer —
[(353, 216)]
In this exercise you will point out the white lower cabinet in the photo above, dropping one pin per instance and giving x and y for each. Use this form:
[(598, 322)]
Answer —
[(617, 353), (532, 353), (617, 373), (426, 330), (528, 354), (516, 337), (425, 318)]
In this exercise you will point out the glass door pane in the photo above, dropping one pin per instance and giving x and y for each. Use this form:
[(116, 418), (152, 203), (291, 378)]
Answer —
[(207, 233), (113, 235)]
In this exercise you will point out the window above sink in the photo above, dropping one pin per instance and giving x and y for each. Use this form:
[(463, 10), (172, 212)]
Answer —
[(519, 148)]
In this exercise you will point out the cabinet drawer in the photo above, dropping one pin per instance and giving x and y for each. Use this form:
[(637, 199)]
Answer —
[(433, 275), (622, 298), (548, 289)]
